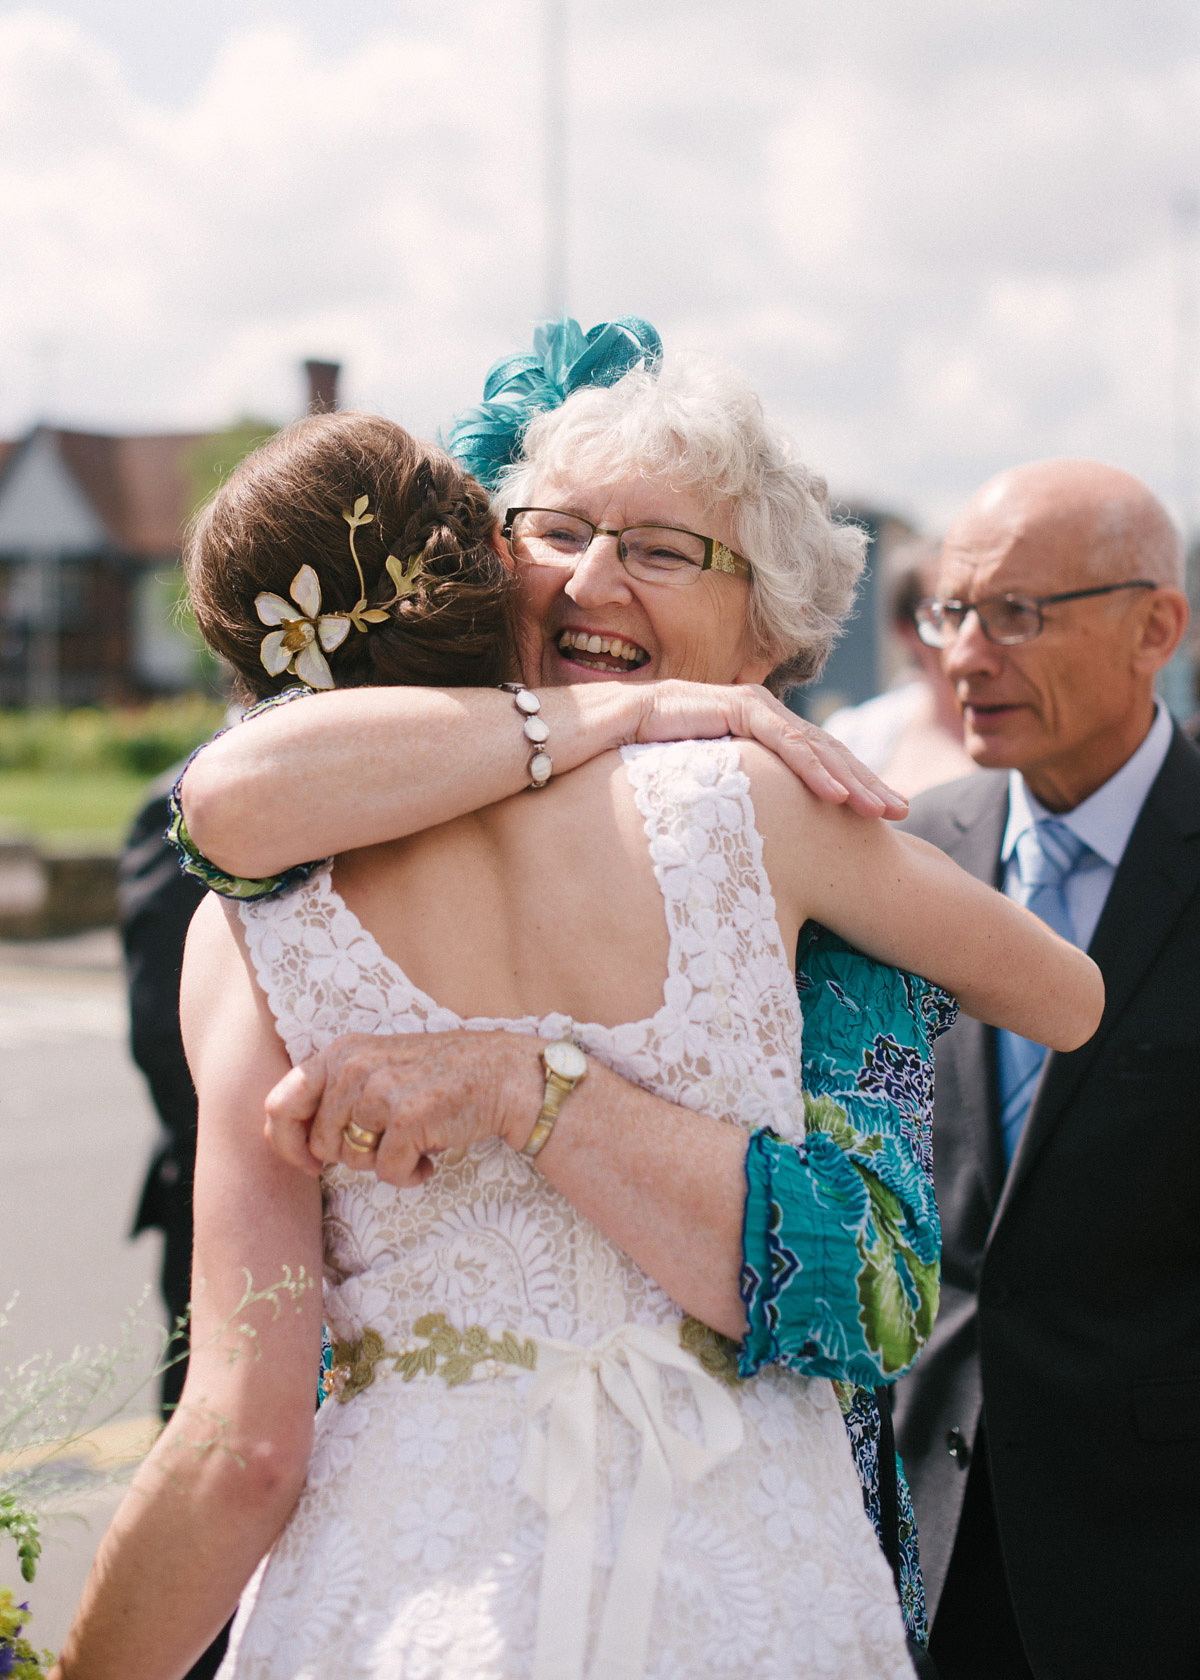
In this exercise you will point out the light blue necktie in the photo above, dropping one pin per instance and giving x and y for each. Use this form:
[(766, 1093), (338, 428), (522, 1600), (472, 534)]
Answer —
[(1047, 855)]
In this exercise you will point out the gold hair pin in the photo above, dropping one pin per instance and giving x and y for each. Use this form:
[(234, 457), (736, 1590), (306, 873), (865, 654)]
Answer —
[(301, 642)]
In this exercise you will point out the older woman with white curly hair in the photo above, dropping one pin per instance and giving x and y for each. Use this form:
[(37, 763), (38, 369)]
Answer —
[(694, 430), (669, 552)]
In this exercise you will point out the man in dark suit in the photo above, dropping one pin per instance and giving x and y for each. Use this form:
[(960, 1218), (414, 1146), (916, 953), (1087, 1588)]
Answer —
[(157, 903), (1051, 1429)]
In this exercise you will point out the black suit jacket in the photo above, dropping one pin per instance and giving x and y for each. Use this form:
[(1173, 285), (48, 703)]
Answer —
[(157, 902), (1070, 1308)]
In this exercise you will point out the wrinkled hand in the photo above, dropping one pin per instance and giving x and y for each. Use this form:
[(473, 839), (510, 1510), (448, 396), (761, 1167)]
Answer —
[(424, 1093), (680, 710)]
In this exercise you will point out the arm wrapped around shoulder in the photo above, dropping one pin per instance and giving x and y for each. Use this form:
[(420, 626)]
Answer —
[(1001, 962)]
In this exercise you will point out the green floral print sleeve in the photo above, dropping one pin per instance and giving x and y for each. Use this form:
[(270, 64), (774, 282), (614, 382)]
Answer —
[(841, 1239), (192, 860)]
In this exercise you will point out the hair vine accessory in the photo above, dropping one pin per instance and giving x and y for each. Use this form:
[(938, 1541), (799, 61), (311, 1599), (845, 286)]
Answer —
[(303, 640), (487, 439), (404, 574)]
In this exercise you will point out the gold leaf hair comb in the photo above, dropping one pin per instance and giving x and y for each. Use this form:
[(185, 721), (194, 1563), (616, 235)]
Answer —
[(303, 639)]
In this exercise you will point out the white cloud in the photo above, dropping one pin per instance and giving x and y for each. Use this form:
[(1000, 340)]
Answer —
[(937, 237), (183, 259)]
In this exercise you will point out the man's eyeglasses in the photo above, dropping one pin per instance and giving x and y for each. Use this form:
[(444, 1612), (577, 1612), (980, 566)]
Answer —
[(1006, 620), (651, 553)]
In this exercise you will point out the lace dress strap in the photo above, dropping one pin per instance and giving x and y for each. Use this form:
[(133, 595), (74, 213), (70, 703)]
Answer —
[(730, 983), (323, 973)]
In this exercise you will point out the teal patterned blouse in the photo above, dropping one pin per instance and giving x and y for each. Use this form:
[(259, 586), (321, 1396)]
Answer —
[(841, 1238)]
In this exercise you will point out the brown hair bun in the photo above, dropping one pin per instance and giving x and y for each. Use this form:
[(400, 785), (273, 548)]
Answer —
[(282, 508)]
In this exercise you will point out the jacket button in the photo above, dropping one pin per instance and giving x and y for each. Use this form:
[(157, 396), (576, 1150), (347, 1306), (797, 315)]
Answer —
[(957, 1447)]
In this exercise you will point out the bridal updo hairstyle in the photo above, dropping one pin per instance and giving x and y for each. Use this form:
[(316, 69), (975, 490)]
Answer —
[(282, 508)]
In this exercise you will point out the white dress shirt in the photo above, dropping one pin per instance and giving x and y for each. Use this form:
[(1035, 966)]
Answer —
[(1104, 821)]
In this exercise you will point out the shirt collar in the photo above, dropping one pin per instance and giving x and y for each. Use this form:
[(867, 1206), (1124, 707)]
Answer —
[(1105, 819)]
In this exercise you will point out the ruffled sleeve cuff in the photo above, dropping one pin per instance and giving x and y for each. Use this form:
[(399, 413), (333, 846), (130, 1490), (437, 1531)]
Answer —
[(806, 1208), (759, 1347)]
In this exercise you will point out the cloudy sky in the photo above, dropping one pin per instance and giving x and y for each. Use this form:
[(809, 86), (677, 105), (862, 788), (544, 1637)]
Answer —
[(939, 235)]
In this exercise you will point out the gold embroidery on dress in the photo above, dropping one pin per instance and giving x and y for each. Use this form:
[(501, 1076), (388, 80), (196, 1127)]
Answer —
[(716, 1353), (435, 1348)]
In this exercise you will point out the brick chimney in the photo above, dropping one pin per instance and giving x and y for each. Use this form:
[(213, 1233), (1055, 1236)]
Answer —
[(322, 386)]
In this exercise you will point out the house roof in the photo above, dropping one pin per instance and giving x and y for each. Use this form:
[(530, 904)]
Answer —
[(141, 489)]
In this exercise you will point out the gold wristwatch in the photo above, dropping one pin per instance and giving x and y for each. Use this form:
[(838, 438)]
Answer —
[(565, 1065)]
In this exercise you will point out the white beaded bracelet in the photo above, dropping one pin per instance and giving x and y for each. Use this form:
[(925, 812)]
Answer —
[(537, 731)]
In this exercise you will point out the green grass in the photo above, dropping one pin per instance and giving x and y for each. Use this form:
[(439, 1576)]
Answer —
[(71, 807), (74, 778), (94, 740)]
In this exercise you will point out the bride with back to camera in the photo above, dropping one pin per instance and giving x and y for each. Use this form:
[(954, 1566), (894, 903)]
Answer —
[(540, 1460)]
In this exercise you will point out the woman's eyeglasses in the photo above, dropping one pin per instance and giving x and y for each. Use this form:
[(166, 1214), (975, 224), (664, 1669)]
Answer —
[(1006, 620), (651, 553)]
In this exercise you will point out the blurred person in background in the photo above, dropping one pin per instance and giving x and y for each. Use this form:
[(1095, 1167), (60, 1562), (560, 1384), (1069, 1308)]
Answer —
[(911, 735), (1192, 726), (1051, 1428), (156, 903)]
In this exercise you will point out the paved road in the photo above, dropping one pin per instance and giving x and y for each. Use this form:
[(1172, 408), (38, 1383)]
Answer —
[(75, 1133)]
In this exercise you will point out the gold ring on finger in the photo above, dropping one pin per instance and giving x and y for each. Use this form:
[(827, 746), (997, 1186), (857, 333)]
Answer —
[(357, 1137)]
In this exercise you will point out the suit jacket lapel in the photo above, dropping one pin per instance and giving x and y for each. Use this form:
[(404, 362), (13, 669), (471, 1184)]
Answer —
[(977, 825), (965, 1061), (1157, 876)]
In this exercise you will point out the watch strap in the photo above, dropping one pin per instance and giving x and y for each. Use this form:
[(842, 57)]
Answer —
[(556, 1089)]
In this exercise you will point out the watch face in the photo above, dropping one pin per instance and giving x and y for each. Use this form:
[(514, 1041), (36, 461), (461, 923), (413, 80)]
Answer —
[(566, 1060)]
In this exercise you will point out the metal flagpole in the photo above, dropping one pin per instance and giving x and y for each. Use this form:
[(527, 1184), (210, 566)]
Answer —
[(554, 281)]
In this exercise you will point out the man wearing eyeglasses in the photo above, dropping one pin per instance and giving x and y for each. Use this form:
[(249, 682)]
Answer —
[(1052, 1428)]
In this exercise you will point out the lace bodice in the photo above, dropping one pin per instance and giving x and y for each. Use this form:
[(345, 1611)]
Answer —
[(725, 1042), (484, 1272), (727, 1035)]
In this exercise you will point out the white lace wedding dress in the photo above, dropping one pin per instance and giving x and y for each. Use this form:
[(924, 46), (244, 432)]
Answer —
[(534, 1468)]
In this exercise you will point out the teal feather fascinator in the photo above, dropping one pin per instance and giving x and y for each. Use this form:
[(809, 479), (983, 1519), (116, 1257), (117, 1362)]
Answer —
[(564, 358)]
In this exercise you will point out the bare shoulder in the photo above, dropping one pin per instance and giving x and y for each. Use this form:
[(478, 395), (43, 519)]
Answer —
[(213, 934), (808, 844), (783, 806), (216, 981)]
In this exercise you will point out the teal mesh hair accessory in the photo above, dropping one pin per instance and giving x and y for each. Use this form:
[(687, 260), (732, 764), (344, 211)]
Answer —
[(564, 359)]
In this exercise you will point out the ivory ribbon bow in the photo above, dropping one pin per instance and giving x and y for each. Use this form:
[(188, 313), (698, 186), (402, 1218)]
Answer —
[(558, 1469)]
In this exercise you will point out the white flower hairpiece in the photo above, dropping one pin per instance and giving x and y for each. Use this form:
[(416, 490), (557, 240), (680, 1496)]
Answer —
[(302, 640)]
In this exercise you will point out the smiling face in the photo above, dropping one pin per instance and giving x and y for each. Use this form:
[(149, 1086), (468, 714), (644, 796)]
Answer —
[(1069, 708), (597, 624)]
